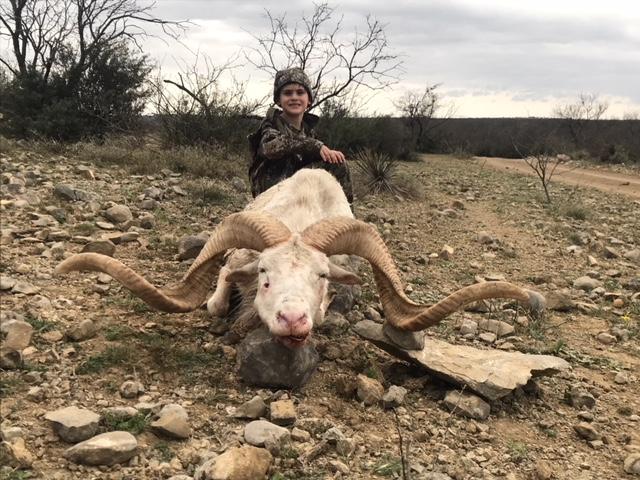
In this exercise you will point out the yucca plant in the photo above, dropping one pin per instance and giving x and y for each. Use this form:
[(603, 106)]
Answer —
[(379, 171)]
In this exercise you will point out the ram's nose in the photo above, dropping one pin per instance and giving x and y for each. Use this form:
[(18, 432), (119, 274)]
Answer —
[(294, 318)]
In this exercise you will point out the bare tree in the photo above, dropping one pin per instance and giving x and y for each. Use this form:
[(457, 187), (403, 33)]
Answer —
[(586, 109), (544, 160), (336, 66), (195, 108), (43, 31), (420, 110), (203, 92)]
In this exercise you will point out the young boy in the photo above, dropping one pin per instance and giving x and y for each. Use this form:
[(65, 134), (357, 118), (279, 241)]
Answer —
[(286, 142)]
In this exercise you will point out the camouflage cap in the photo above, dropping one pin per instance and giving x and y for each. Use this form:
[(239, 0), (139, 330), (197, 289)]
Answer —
[(291, 75)]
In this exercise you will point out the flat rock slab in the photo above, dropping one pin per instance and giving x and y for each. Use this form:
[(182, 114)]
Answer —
[(492, 374), (105, 449), (74, 424)]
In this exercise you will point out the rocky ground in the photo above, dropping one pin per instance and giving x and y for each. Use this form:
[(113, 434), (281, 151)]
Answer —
[(96, 386)]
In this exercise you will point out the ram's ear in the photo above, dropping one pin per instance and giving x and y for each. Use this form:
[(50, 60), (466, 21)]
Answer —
[(244, 274), (340, 275)]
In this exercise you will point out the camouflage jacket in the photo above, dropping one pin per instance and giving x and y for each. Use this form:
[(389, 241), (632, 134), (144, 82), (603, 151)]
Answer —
[(278, 150)]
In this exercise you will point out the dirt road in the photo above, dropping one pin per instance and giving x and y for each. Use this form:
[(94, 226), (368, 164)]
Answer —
[(608, 181)]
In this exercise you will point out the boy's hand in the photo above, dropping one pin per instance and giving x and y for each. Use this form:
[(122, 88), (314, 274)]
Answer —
[(331, 156)]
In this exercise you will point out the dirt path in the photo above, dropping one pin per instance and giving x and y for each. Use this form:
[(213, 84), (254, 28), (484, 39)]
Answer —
[(608, 181)]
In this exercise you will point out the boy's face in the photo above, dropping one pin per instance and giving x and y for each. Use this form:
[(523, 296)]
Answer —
[(293, 99)]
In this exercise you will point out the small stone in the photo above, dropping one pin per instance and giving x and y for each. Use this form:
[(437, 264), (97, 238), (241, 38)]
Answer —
[(259, 431), (446, 253), (108, 448), (254, 408), (488, 337), (586, 283), (394, 397), (586, 415), (485, 238), (118, 214), (338, 466), (84, 330), (172, 423), (372, 314), (606, 338), (468, 327), (7, 283), (18, 334), (370, 391), (559, 301), (105, 247), (543, 470), (579, 398), (283, 412), (131, 389), (73, 424), (238, 463), (501, 329), (621, 378), (25, 288), (632, 464), (9, 433), (467, 404), (36, 394), (52, 336), (586, 431), (299, 435), (120, 413), (15, 454)]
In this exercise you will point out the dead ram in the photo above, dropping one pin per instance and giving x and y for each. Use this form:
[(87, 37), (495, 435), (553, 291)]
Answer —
[(279, 248)]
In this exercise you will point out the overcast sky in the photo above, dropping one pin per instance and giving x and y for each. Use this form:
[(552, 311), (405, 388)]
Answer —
[(491, 58)]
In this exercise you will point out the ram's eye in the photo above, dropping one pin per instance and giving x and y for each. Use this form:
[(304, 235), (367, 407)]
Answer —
[(324, 275), (262, 270)]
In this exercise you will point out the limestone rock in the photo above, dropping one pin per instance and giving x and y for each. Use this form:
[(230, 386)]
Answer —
[(82, 331), (131, 389), (254, 408), (18, 334), (491, 373), (370, 390), (16, 454), (559, 301), (238, 463), (501, 329), (73, 424), (105, 449), (586, 283), (105, 247), (394, 397), (118, 214), (632, 464), (577, 397), (585, 430), (173, 421), (466, 404), (259, 431), (263, 361), (190, 246)]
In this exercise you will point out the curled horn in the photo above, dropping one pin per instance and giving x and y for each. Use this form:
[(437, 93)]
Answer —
[(344, 235), (252, 230)]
